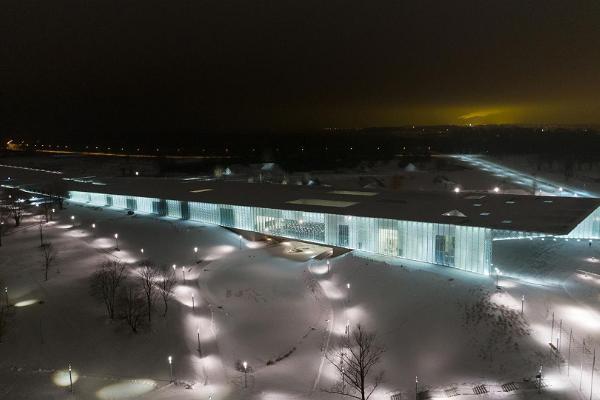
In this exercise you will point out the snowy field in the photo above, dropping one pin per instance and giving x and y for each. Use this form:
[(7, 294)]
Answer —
[(278, 307), (257, 301)]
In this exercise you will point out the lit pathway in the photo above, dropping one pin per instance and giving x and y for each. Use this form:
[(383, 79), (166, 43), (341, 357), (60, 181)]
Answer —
[(544, 186)]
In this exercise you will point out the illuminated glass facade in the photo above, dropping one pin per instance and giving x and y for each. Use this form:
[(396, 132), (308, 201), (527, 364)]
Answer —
[(463, 247), (589, 228)]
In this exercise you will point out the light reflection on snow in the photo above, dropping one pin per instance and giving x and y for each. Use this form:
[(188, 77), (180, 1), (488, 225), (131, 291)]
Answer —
[(505, 299), (580, 317), (183, 295), (331, 290), (541, 333), (254, 245), (217, 252), (61, 377), (26, 303), (320, 269), (274, 395), (126, 389), (77, 233), (199, 323), (556, 382), (103, 243)]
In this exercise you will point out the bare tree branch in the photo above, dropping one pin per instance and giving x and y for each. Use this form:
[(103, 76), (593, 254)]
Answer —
[(149, 277), (166, 283), (354, 362), (105, 283), (48, 257)]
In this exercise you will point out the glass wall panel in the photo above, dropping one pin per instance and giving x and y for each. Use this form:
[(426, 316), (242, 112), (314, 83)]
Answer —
[(467, 248)]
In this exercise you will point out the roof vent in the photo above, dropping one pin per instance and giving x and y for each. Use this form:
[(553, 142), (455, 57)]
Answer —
[(454, 213)]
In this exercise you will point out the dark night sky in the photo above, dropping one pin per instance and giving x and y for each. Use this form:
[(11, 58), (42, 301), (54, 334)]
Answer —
[(75, 66)]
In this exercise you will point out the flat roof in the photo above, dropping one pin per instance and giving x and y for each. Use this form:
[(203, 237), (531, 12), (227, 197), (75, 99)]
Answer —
[(543, 214)]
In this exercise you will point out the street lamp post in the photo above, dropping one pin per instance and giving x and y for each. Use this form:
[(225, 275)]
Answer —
[(497, 277), (522, 303), (116, 241), (416, 387), (198, 334), (183, 272), (70, 378), (142, 250), (348, 330), (6, 295), (171, 367), (193, 303), (175, 272), (93, 226), (245, 364), (328, 266), (240, 237), (196, 255)]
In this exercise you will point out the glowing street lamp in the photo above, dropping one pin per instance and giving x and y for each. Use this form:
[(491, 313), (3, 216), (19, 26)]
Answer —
[(116, 241), (6, 295), (522, 303), (328, 266), (196, 254), (496, 189), (142, 250), (457, 190), (193, 303), (348, 296), (240, 237), (245, 364), (93, 226), (171, 367)]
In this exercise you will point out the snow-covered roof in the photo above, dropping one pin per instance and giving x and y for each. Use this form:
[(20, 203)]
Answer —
[(551, 215), (543, 214)]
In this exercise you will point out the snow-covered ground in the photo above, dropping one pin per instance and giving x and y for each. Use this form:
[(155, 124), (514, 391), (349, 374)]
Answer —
[(259, 301), (278, 308)]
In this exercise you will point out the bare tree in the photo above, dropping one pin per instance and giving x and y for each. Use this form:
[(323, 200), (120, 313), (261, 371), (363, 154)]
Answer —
[(48, 257), (165, 285), (148, 277), (16, 211), (105, 283), (131, 302), (354, 362)]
